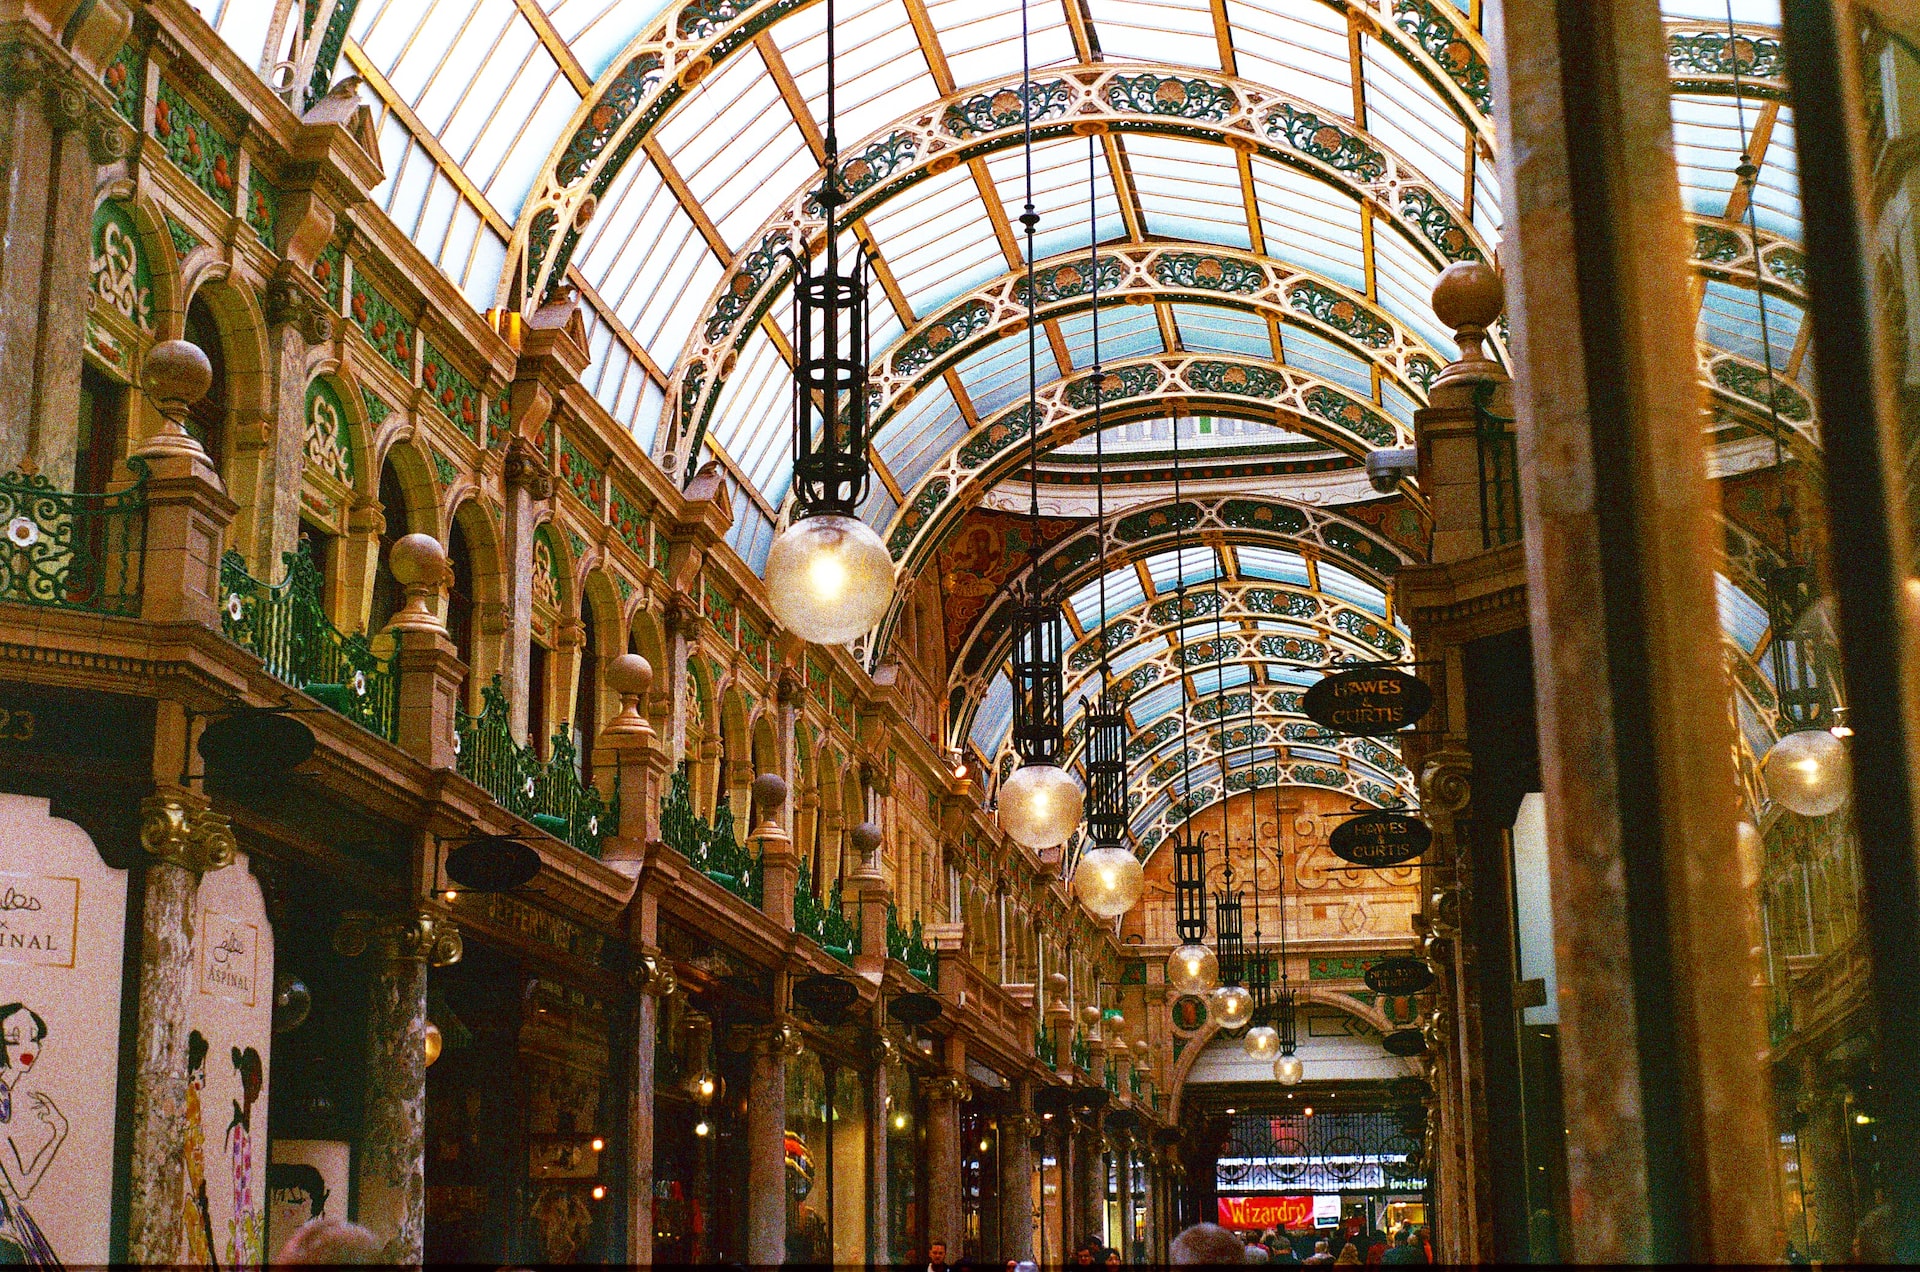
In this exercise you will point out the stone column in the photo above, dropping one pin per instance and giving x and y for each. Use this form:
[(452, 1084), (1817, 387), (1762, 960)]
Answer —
[(1093, 1179), (527, 483), (188, 510), (944, 1097), (766, 1145), (869, 895), (683, 628), (631, 763), (391, 1177), (56, 131), (269, 454), (879, 1203), (1666, 1102), (183, 841), (1016, 1176), (430, 668), (652, 980), (790, 692)]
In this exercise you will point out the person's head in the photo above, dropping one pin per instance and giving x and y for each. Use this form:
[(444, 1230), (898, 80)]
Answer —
[(331, 1241), (1320, 1246), (1206, 1245), (937, 1253), (21, 1033), (1083, 1257), (1113, 1258), (1255, 1252), (1403, 1234)]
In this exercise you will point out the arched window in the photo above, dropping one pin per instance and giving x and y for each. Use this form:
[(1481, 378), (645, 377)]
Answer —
[(207, 420), (460, 605), (393, 507)]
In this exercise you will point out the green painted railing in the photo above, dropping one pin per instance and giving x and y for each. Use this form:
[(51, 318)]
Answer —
[(1499, 451), (1043, 1044), (73, 551), (288, 627), (824, 920), (1133, 1082), (712, 849), (547, 793), (1081, 1051), (1112, 1078), (908, 944)]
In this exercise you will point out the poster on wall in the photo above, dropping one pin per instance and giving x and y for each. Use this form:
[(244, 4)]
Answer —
[(230, 1030), (62, 929), (306, 1179)]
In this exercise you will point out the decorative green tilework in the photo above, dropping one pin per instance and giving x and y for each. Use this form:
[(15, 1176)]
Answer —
[(195, 147), (122, 279), (578, 474), (390, 334), (328, 445), (263, 209), (628, 521), (452, 392)]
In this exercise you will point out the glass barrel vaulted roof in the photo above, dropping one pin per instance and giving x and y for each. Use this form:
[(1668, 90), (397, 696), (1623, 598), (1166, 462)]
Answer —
[(647, 154)]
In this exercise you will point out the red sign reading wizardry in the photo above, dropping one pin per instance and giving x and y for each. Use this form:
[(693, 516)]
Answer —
[(1260, 1213)]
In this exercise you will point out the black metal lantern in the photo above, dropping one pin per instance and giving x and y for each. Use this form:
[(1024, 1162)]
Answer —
[(1800, 673), (1037, 734), (1229, 938), (1107, 771)]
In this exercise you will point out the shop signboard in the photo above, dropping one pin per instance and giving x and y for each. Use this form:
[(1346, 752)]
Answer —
[(1380, 840), (1257, 1214), (1368, 702), (1398, 977)]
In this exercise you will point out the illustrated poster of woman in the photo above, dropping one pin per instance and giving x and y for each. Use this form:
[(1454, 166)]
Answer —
[(26, 1150), (243, 1230), (195, 1218)]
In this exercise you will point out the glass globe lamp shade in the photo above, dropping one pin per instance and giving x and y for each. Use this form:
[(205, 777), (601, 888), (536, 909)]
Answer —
[(1808, 772), (1232, 1006), (1262, 1041), (1109, 881), (1288, 1070), (1192, 969), (829, 579), (1040, 805), (432, 1043)]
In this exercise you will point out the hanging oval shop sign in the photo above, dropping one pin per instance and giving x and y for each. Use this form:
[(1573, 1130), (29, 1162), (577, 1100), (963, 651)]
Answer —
[(1398, 977), (1380, 839), (1405, 1042), (1368, 702)]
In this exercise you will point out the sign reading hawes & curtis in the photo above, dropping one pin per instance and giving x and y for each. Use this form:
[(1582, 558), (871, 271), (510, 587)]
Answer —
[(1368, 702), (1380, 840)]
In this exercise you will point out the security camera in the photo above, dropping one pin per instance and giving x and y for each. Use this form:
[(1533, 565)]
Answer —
[(1386, 469)]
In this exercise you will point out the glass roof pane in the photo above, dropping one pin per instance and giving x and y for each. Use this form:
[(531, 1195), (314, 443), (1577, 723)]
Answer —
[(752, 422), (1276, 564), (1200, 432), (922, 434), (938, 242), (1398, 404), (1178, 31), (1320, 356), (1188, 565), (598, 30), (1059, 194), (1210, 328), (1298, 46), (1404, 279), (241, 23), (1405, 114), (645, 255), (1211, 680), (881, 72), (994, 720), (752, 532), (996, 377), (1308, 223), (1123, 593), (1189, 190), (736, 146), (1125, 331), (981, 38), (1730, 320), (1337, 582), (1741, 616), (1147, 707)]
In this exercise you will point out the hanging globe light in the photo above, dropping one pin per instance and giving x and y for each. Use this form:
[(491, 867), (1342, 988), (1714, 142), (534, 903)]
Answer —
[(1193, 969), (1288, 1069), (1232, 1006), (829, 579), (1808, 772), (1040, 805), (1261, 1042), (1109, 881)]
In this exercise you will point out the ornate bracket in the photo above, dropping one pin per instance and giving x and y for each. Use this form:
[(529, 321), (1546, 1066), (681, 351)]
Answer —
[(422, 937), (525, 467), (949, 1087), (653, 975), (176, 832)]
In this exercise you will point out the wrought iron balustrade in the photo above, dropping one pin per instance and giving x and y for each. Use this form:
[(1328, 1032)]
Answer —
[(70, 550), (713, 849), (1111, 1078), (1080, 1051), (549, 793), (908, 944), (1499, 451), (1043, 1044), (288, 627), (823, 919)]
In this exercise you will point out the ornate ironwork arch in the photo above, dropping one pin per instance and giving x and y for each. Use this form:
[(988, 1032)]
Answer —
[(1218, 109)]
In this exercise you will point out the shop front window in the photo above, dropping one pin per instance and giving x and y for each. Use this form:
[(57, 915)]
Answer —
[(826, 1152), (906, 1164)]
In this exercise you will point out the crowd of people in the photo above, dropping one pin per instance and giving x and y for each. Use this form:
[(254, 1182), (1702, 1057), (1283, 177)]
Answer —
[(1208, 1245)]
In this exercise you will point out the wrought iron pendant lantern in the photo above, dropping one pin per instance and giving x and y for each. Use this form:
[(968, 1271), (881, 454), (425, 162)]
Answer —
[(829, 577)]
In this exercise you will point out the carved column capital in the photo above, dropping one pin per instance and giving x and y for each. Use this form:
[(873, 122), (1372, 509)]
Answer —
[(653, 975), (1446, 783), (421, 937), (176, 832), (790, 687), (525, 468), (289, 303), (949, 1087)]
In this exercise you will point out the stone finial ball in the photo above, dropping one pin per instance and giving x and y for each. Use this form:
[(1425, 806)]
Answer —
[(178, 371), (866, 838), (1141, 1047), (417, 560), (1057, 982), (1468, 294), (770, 791), (1116, 1022), (630, 675)]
